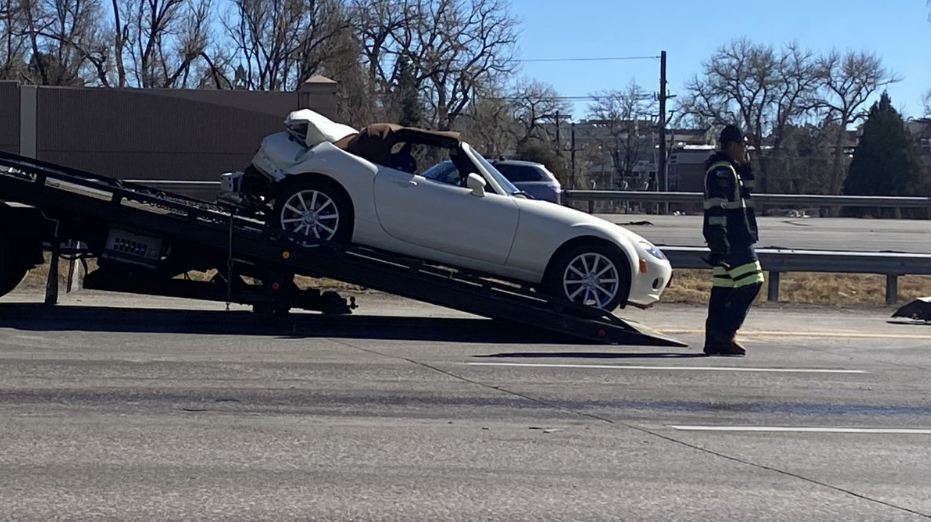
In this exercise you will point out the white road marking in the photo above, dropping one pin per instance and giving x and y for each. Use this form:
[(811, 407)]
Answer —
[(903, 431), (669, 368), (751, 334)]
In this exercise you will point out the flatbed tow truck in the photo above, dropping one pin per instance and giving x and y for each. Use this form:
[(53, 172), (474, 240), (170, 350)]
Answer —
[(145, 241)]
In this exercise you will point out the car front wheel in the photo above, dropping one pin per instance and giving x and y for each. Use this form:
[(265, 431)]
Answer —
[(315, 209), (590, 274)]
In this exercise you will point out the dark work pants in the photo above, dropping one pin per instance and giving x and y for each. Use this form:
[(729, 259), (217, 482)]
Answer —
[(733, 291)]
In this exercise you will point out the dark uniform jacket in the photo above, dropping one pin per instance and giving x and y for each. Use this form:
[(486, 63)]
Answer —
[(730, 219)]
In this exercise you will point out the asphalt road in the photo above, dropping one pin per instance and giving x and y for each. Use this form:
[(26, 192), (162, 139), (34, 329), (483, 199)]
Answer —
[(868, 235), (114, 408)]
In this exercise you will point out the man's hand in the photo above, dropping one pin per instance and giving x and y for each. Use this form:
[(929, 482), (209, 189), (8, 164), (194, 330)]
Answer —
[(716, 259)]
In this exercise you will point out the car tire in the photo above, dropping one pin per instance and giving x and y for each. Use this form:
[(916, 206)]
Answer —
[(12, 270), (316, 208), (592, 274)]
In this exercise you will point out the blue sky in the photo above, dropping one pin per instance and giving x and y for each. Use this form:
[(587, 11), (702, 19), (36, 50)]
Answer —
[(690, 31)]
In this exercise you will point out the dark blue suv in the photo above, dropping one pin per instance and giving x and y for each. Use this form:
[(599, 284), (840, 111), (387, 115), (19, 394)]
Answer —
[(532, 178)]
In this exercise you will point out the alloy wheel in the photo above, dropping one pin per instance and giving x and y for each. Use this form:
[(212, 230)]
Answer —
[(312, 213), (591, 279)]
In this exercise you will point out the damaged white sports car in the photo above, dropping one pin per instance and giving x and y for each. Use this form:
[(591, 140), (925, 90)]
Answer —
[(332, 182)]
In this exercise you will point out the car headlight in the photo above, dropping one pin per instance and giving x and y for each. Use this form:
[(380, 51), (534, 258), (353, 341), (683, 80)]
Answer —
[(651, 249)]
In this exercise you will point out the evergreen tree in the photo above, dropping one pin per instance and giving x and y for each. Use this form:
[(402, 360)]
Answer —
[(886, 162), (407, 98)]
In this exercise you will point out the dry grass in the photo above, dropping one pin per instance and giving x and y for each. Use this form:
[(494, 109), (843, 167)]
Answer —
[(692, 286), (688, 286)]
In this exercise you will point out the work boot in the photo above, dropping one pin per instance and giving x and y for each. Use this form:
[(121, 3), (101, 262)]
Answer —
[(715, 345), (726, 349)]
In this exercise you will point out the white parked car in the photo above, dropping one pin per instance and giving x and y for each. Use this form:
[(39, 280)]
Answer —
[(332, 182)]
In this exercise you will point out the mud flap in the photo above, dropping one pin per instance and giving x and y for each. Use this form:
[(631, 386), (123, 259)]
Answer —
[(917, 310)]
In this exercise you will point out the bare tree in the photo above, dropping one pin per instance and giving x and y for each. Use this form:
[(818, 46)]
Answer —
[(63, 39), (14, 46), (622, 122), (795, 89), (161, 38), (478, 37), (280, 43), (737, 86), (341, 60), (489, 126), (329, 44), (453, 45), (533, 105), (759, 88), (384, 29), (847, 83)]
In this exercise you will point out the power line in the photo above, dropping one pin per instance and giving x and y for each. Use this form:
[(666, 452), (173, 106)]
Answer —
[(609, 59), (563, 98)]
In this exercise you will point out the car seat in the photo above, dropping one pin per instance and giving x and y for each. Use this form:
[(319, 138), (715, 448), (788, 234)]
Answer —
[(403, 160)]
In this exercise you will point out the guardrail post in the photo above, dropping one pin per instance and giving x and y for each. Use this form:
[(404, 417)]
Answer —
[(892, 289), (591, 206), (773, 287)]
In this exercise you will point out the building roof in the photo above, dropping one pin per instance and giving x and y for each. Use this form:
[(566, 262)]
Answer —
[(319, 79)]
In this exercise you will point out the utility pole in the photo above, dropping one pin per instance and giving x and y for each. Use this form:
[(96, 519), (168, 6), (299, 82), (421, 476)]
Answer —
[(572, 156), (661, 161), (558, 146)]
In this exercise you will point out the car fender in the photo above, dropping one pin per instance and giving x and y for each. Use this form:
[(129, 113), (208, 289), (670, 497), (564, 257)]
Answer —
[(544, 228), (356, 175)]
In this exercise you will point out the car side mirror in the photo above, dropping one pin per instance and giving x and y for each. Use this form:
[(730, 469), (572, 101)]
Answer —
[(476, 184)]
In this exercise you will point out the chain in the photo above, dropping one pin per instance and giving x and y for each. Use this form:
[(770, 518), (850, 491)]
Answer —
[(229, 267)]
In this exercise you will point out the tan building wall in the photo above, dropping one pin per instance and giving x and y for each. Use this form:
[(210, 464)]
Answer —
[(151, 134)]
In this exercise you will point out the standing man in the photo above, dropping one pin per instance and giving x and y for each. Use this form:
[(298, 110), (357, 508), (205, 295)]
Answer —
[(730, 230)]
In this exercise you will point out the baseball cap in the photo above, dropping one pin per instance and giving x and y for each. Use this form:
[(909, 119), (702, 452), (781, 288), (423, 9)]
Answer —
[(729, 134)]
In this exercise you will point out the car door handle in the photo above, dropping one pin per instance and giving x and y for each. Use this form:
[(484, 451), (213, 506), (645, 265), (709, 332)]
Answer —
[(405, 182)]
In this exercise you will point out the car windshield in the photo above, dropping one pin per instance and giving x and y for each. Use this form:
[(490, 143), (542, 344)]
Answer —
[(506, 185)]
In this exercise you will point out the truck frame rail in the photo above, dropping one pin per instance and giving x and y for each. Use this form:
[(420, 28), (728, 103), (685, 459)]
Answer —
[(67, 198)]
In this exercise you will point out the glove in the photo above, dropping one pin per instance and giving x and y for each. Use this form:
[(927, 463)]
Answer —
[(716, 259), (719, 250)]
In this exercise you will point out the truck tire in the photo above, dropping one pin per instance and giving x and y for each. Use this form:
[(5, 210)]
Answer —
[(12, 269)]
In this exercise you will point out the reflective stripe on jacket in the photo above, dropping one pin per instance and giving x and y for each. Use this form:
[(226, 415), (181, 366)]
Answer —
[(728, 207)]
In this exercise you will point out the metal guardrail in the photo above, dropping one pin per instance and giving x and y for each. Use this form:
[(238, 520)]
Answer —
[(809, 200), (650, 197), (776, 261)]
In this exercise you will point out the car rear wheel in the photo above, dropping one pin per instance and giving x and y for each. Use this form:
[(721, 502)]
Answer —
[(590, 274), (315, 209)]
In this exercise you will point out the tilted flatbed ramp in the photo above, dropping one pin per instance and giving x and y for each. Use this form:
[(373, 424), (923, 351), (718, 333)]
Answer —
[(64, 194)]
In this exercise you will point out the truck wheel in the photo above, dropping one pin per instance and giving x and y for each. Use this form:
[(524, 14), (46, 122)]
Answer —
[(12, 271), (591, 274), (316, 209)]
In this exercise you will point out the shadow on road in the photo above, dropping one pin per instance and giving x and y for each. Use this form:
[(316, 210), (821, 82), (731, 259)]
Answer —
[(37, 317), (591, 355)]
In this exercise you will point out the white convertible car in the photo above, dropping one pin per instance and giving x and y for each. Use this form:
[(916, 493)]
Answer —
[(332, 182)]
